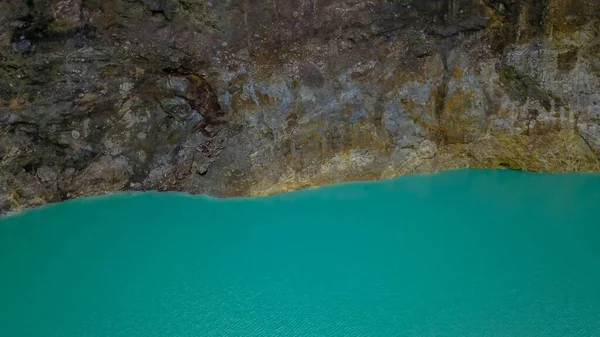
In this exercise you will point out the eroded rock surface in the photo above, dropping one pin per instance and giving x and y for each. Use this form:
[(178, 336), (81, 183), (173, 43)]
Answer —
[(241, 97)]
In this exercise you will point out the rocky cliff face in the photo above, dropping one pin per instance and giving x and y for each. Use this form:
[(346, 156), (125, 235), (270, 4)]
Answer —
[(252, 97)]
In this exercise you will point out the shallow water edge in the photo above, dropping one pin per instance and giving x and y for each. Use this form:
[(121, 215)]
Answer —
[(332, 188)]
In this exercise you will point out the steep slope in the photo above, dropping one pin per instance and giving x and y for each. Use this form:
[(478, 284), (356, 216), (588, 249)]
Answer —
[(251, 97)]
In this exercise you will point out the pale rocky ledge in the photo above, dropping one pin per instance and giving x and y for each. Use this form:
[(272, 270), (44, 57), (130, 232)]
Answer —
[(254, 97)]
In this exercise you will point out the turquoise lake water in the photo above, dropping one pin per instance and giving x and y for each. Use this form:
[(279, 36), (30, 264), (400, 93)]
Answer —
[(460, 253)]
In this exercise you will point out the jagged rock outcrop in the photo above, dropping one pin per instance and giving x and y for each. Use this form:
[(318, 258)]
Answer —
[(240, 97)]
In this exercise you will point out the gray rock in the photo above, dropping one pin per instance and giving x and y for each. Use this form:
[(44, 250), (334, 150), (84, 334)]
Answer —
[(311, 76), (23, 46), (156, 5), (427, 148), (46, 174), (69, 171), (178, 85), (5, 205), (203, 169), (172, 8), (177, 107)]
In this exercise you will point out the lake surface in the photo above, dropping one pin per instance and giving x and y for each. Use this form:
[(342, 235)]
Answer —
[(460, 253)]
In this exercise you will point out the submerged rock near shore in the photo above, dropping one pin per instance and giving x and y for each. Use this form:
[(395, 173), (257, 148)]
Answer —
[(240, 97)]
